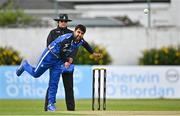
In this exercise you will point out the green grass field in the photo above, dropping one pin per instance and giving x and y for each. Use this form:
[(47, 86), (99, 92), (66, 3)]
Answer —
[(83, 107)]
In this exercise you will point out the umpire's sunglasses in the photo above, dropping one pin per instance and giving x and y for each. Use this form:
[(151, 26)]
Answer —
[(64, 21)]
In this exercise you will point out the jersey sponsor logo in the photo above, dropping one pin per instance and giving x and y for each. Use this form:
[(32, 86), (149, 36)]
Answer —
[(66, 45), (67, 48), (58, 31)]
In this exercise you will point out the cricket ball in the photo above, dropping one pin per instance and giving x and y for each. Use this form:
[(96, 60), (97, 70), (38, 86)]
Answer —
[(146, 11)]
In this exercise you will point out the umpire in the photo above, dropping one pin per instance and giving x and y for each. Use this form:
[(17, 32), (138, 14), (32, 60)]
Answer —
[(67, 77)]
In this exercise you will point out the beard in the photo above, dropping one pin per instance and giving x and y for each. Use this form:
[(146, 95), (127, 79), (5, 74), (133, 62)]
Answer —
[(78, 38)]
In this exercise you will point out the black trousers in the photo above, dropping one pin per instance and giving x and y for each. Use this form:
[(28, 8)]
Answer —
[(69, 93)]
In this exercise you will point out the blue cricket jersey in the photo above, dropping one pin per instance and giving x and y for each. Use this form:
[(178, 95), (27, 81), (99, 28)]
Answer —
[(64, 46)]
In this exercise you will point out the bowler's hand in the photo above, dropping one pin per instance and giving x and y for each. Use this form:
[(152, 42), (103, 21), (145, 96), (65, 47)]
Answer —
[(97, 55), (67, 64), (70, 60)]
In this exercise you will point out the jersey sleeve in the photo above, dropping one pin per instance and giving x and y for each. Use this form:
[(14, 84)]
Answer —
[(87, 47), (73, 54)]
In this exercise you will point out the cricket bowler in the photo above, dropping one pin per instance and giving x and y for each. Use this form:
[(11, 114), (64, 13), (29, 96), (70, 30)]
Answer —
[(58, 52)]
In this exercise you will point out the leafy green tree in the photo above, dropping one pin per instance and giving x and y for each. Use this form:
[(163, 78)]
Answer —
[(12, 16)]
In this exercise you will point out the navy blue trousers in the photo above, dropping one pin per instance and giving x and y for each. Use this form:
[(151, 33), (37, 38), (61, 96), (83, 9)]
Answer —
[(46, 61)]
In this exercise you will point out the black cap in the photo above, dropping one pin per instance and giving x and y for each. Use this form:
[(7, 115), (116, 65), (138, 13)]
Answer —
[(62, 17)]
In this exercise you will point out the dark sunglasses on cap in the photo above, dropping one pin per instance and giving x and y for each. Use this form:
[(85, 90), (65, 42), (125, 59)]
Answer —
[(64, 21)]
